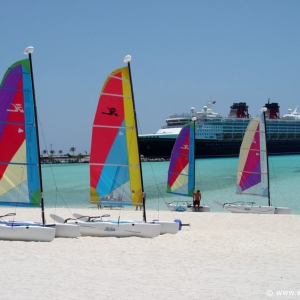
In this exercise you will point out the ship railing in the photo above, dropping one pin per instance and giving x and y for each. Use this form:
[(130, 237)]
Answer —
[(183, 115)]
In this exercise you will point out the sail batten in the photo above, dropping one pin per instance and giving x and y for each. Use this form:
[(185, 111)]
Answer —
[(118, 78), (116, 95), (113, 165), (120, 127)]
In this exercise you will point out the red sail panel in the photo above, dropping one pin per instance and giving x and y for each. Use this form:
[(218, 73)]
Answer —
[(109, 114), (13, 135)]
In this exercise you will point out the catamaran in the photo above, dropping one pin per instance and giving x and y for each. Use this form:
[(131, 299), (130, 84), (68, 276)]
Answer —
[(20, 168), (115, 167), (253, 171), (181, 172)]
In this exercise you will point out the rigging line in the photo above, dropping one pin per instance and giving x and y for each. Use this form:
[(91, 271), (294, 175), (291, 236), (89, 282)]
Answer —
[(198, 173), (56, 189), (123, 187), (19, 190), (122, 198), (139, 125), (158, 190), (273, 169), (124, 174)]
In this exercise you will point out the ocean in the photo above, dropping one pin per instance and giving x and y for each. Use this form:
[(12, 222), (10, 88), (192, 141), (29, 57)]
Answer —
[(67, 185)]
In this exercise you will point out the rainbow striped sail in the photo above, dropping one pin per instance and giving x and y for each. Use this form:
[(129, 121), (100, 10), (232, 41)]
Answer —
[(19, 175), (181, 173), (115, 175), (252, 177)]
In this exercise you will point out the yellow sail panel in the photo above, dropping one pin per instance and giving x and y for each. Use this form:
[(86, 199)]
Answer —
[(15, 174), (182, 179), (132, 142)]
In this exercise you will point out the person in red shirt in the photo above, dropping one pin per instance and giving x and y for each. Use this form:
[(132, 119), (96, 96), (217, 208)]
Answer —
[(196, 200)]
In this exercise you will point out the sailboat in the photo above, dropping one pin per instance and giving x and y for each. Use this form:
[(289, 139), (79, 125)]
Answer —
[(20, 169), (115, 167), (181, 172), (253, 171)]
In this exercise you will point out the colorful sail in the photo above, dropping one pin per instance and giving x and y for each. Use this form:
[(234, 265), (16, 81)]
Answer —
[(115, 175), (181, 173), (19, 175), (252, 177)]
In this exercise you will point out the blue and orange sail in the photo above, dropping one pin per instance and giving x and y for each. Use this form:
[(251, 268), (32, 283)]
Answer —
[(181, 173), (115, 174), (252, 177), (19, 158)]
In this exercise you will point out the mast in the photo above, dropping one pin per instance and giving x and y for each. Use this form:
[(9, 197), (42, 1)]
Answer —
[(29, 51), (128, 59), (194, 120), (264, 109)]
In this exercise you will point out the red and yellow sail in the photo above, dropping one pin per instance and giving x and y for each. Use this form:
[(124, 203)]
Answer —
[(115, 175)]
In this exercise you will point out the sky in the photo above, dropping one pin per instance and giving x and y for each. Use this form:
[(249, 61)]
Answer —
[(184, 53)]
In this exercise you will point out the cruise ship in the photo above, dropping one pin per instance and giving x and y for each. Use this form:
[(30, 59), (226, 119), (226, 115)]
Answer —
[(218, 136)]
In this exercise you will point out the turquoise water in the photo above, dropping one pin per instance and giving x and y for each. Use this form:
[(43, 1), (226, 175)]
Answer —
[(67, 185)]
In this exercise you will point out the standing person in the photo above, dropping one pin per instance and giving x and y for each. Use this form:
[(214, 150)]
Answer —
[(99, 204), (196, 200)]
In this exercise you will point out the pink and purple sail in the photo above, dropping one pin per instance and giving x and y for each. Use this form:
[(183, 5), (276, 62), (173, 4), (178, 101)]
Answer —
[(181, 173), (19, 159), (252, 175)]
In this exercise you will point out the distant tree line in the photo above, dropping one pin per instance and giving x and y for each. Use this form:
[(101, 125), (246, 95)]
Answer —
[(60, 152)]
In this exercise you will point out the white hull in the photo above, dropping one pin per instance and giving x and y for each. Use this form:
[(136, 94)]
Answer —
[(115, 229), (282, 210), (249, 209), (67, 230), (167, 226), (61, 230), (254, 209), (202, 208), (177, 207), (30, 233), (181, 207)]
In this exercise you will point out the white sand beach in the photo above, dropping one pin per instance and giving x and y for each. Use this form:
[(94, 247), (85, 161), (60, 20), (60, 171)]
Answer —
[(221, 256)]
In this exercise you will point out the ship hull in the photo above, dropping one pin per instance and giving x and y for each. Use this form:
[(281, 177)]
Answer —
[(162, 147)]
